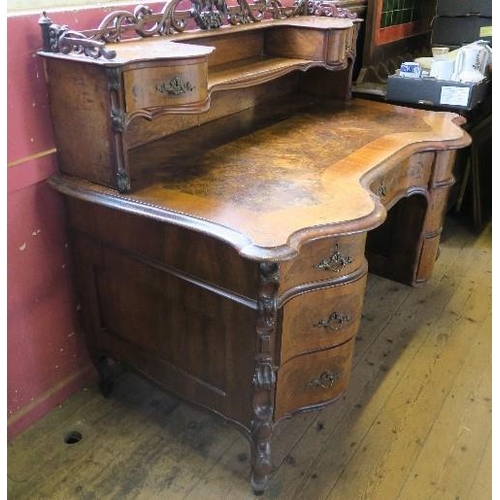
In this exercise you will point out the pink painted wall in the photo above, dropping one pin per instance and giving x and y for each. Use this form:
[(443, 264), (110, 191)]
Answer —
[(46, 356)]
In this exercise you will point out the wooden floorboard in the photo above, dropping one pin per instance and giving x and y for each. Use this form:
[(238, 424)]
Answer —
[(415, 423)]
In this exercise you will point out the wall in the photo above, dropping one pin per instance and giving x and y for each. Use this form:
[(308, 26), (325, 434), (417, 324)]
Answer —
[(46, 356)]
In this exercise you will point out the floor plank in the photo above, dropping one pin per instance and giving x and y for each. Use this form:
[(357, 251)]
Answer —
[(414, 424)]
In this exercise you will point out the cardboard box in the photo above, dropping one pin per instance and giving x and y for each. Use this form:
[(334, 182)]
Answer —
[(458, 31), (432, 92), (464, 8)]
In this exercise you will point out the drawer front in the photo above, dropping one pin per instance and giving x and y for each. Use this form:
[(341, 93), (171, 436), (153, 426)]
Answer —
[(324, 259), (166, 86), (415, 173), (322, 318), (313, 379)]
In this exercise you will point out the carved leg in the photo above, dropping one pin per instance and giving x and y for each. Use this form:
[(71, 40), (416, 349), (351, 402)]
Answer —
[(261, 458)]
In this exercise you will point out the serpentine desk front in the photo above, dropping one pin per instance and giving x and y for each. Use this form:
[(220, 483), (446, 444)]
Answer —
[(229, 262)]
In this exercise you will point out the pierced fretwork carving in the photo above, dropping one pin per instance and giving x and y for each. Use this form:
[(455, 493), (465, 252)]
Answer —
[(209, 14), (58, 38), (329, 9), (143, 22)]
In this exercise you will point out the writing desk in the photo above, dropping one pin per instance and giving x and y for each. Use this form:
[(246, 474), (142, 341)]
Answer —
[(228, 262)]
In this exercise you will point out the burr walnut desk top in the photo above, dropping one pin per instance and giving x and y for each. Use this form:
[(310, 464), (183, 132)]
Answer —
[(314, 169)]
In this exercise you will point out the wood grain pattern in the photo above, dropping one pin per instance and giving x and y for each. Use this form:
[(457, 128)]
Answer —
[(143, 443), (313, 379), (321, 318), (264, 187)]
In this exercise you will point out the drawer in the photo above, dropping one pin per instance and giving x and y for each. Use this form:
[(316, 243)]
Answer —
[(324, 259), (321, 318), (415, 173), (173, 85), (313, 379)]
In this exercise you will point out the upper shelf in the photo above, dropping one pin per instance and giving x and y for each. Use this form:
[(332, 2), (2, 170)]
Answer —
[(252, 71), (214, 16), (112, 91), (187, 44)]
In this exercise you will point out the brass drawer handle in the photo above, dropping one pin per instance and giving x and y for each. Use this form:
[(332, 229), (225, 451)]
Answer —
[(325, 380), (334, 322), (336, 262), (175, 86)]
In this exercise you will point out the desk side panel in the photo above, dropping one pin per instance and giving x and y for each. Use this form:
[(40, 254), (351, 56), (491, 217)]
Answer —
[(192, 337), (81, 117), (179, 249)]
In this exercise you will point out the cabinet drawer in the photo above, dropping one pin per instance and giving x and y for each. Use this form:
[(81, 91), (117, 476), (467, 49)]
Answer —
[(416, 172), (321, 318), (323, 259), (166, 86), (313, 379)]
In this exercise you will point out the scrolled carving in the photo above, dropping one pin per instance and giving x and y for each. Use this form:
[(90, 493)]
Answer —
[(117, 120), (115, 24), (267, 309), (329, 9), (381, 191), (279, 11), (209, 14), (264, 378), (143, 21), (267, 298), (247, 14), (118, 124), (61, 39)]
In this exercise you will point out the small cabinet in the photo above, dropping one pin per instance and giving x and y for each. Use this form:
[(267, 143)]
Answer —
[(152, 79), (166, 85)]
